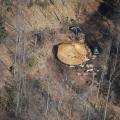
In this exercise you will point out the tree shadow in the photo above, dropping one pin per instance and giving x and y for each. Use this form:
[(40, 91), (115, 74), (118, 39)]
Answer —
[(98, 33)]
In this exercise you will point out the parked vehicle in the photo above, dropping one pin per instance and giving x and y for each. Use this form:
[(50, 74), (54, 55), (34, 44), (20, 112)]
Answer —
[(75, 29)]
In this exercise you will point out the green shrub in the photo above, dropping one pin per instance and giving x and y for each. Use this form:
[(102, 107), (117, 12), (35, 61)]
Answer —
[(32, 61), (3, 32), (41, 3)]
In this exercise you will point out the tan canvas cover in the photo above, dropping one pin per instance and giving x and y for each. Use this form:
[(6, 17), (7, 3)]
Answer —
[(72, 53)]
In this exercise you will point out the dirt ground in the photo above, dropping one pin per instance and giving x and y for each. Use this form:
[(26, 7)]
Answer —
[(39, 86)]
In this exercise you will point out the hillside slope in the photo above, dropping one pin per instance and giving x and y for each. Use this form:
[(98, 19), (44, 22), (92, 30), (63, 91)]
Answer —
[(35, 85)]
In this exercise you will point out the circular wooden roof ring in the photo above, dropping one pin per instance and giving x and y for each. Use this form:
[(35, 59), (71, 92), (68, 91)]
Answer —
[(72, 53)]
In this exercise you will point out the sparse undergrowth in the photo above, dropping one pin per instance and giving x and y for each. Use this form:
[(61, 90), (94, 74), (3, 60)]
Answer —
[(7, 4), (41, 3), (7, 99), (3, 32), (54, 91)]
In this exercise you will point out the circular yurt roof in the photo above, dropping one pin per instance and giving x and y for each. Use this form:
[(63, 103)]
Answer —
[(72, 53)]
